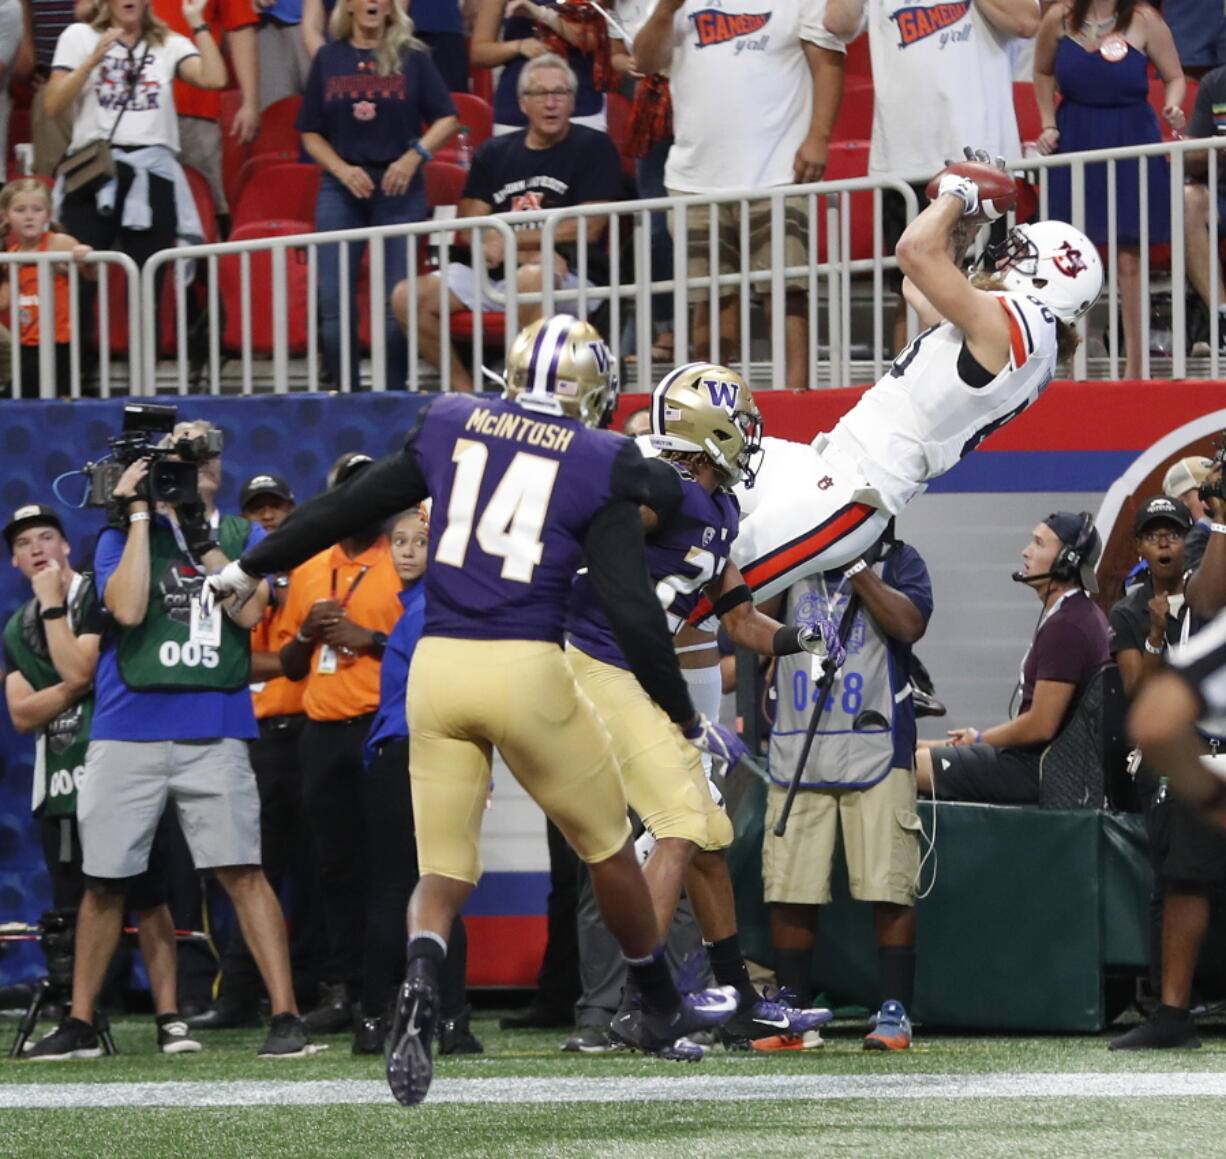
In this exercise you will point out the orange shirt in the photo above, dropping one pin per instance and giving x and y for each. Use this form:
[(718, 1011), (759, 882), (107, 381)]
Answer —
[(279, 696), (221, 16), (353, 689), (28, 302)]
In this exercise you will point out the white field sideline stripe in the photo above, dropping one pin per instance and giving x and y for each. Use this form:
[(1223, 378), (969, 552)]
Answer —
[(617, 1090)]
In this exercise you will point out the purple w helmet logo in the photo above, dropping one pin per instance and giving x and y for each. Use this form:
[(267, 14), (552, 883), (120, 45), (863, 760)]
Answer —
[(723, 394)]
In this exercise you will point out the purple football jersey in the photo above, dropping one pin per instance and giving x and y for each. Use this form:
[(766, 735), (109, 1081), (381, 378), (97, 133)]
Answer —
[(683, 555), (513, 493)]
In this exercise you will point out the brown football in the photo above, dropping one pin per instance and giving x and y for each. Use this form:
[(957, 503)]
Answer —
[(995, 185)]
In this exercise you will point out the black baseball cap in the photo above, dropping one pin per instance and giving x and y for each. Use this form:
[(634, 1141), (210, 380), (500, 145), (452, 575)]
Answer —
[(1067, 527), (1160, 509), (264, 484), (348, 465), (31, 515)]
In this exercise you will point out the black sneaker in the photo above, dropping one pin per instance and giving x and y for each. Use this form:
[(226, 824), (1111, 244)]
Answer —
[(71, 1039), (410, 1067), (174, 1037), (287, 1038), (370, 1036), (590, 1040), (334, 1012), (1168, 1028), (456, 1037)]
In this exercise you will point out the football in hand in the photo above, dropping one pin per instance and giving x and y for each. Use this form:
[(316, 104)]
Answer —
[(997, 189)]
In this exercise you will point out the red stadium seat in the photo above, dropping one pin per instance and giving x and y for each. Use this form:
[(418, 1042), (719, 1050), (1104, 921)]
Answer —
[(277, 126), (279, 193), (480, 80), (1026, 109), (230, 281), (233, 155), (257, 161), (205, 206), (444, 183), (849, 159), (477, 115), (855, 119)]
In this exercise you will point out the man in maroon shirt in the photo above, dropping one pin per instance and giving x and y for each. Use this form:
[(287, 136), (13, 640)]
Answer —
[(1000, 765)]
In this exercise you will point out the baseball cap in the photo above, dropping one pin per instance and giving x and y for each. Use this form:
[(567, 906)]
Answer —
[(264, 484), (348, 465), (1160, 509), (31, 515), (1184, 474), (1067, 526)]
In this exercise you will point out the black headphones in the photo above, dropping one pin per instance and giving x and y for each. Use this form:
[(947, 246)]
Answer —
[(1066, 567)]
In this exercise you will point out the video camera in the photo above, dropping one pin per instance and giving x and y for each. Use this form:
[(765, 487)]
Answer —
[(1207, 491), (147, 433)]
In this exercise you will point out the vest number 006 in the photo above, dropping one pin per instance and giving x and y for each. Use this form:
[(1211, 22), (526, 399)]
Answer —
[(172, 654)]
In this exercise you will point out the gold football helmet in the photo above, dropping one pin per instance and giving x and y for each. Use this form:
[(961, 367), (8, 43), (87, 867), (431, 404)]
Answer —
[(561, 366), (708, 408)]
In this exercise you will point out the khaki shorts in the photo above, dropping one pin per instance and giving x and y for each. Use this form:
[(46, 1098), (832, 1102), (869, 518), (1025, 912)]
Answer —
[(661, 771), (880, 841), (728, 226), (468, 697)]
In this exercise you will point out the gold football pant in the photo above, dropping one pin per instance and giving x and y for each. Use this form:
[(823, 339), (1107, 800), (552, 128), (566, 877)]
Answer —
[(468, 697), (661, 770)]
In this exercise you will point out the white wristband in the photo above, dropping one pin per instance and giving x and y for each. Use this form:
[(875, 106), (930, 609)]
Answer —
[(1152, 650), (1220, 528), (302, 639), (855, 569), (139, 517)]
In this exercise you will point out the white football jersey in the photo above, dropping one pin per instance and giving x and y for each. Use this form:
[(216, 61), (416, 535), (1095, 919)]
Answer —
[(922, 418)]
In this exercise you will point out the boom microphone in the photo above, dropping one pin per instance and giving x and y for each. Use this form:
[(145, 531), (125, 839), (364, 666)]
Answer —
[(1020, 577)]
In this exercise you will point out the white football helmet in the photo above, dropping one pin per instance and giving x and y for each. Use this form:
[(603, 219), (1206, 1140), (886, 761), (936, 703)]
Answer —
[(1056, 263), (709, 409), (561, 366)]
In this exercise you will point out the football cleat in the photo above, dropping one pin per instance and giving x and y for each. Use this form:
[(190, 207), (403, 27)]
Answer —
[(560, 366), (708, 409), (810, 1040), (665, 1034), (771, 1016), (410, 1065), (893, 1028)]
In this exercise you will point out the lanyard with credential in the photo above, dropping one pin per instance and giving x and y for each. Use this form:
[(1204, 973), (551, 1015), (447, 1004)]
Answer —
[(353, 587)]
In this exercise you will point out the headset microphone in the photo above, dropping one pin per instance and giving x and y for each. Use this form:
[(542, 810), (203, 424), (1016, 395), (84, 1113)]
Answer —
[(1020, 577)]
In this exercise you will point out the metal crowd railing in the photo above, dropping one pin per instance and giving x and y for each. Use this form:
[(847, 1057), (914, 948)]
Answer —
[(242, 317)]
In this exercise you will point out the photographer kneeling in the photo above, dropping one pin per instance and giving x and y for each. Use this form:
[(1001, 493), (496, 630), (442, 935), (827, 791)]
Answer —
[(173, 715)]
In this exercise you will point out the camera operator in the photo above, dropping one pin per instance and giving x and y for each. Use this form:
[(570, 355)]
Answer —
[(1206, 588), (172, 719), (51, 649)]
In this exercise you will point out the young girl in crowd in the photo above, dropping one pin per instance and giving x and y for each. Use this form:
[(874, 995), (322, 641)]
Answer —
[(25, 212), (390, 826)]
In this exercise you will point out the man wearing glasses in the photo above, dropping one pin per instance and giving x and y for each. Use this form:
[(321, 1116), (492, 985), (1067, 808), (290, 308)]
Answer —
[(549, 165)]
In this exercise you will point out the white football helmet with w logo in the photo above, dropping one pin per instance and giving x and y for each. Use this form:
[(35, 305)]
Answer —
[(561, 366), (702, 407), (1056, 263)]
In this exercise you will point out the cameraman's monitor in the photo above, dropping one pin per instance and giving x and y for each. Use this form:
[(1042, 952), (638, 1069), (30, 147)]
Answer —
[(149, 418)]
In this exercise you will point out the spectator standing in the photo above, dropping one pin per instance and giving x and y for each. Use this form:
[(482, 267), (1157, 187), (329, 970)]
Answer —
[(284, 61), (342, 604), (390, 825), (16, 63), (1183, 481), (199, 111), (551, 164), (1000, 765), (50, 654), (370, 91), (1098, 55), (25, 208), (51, 134), (859, 778), (1199, 31), (1208, 120), (1187, 853), (440, 24), (721, 141), (504, 36), (171, 722)]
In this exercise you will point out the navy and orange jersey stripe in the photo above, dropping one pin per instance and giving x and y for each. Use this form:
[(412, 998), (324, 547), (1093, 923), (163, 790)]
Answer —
[(792, 554), (1021, 341)]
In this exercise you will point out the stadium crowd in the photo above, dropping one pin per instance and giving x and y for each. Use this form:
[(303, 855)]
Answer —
[(274, 719), (339, 117)]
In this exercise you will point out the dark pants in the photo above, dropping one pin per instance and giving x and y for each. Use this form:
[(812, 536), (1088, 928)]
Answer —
[(285, 858), (331, 761), (558, 979), (391, 840), (30, 367)]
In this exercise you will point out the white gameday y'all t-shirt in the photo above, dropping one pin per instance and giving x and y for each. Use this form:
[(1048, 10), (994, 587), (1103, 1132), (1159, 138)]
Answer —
[(149, 116), (742, 92), (942, 78)]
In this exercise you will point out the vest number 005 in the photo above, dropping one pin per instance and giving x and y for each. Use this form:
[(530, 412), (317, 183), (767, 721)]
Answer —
[(172, 654)]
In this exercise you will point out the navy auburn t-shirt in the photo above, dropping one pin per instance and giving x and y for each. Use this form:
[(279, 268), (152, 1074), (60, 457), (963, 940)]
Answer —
[(367, 118)]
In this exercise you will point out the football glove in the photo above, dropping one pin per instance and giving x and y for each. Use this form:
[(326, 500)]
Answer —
[(716, 740), (230, 581), (962, 188), (984, 157), (822, 639)]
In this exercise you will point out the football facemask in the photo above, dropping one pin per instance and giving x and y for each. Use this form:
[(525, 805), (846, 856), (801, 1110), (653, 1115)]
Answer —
[(561, 366), (1054, 262), (709, 409)]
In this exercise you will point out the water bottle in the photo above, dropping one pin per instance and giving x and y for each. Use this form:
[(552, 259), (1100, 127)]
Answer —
[(464, 149)]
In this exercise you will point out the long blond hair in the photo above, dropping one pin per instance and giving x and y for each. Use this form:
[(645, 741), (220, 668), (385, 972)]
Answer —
[(397, 35), (15, 189), (151, 28), (1067, 339)]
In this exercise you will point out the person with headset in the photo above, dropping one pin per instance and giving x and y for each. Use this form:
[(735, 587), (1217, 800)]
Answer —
[(1000, 765)]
